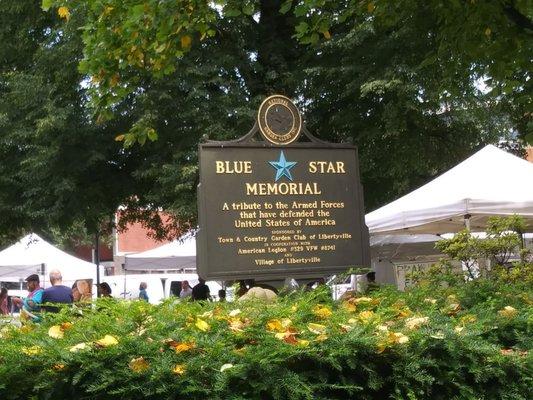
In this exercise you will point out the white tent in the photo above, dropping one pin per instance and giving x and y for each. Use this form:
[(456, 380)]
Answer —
[(403, 247), (179, 254), (34, 255), (492, 182)]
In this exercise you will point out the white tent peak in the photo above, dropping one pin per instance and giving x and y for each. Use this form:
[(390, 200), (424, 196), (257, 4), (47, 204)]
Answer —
[(490, 182), (26, 256)]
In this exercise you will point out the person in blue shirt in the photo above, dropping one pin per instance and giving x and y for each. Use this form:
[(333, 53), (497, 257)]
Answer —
[(30, 306), (142, 291), (57, 293)]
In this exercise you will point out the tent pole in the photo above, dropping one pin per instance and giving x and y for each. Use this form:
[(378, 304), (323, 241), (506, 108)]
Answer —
[(43, 273), (97, 261)]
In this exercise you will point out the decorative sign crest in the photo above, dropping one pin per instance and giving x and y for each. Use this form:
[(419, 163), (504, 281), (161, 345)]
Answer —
[(279, 120), (278, 208)]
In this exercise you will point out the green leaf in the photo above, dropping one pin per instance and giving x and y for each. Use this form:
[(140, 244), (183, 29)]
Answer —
[(232, 12), (302, 28), (285, 7), (300, 10), (248, 9), (152, 134), (46, 4)]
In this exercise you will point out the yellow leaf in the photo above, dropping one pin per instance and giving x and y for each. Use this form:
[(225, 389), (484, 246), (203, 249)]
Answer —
[(179, 369), (58, 367), (225, 367), (415, 323), (78, 347), (107, 341), (398, 337), (55, 332), (362, 300), (280, 335), (26, 328), (63, 12), (114, 80), (366, 316), (452, 309), (107, 10), (316, 328), (370, 7), (322, 311), (327, 35), (303, 342), (508, 312), (186, 41), (321, 337), (66, 325), (381, 347), (234, 313), (202, 325), (236, 325), (274, 325), (346, 328), (438, 335), (138, 365), (465, 319), (207, 314), (349, 306), (286, 322), (488, 31), (32, 350), (184, 346)]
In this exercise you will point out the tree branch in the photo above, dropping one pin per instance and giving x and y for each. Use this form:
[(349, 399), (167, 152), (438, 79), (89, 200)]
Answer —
[(518, 18)]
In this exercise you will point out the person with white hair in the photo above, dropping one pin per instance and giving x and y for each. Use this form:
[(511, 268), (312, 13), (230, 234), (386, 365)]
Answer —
[(57, 293)]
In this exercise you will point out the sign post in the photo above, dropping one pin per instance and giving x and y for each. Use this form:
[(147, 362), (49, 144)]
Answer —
[(279, 207)]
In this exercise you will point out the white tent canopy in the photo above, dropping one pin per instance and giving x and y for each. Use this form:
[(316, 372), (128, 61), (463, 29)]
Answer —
[(492, 182), (403, 247), (28, 255), (179, 254)]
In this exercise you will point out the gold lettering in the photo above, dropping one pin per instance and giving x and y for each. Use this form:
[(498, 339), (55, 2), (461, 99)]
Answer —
[(251, 188), (264, 189), (233, 167), (326, 167)]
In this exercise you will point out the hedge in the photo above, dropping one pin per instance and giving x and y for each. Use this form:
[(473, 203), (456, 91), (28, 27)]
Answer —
[(466, 341)]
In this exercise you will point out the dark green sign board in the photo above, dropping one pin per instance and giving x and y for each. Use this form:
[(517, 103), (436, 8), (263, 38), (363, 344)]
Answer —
[(271, 211)]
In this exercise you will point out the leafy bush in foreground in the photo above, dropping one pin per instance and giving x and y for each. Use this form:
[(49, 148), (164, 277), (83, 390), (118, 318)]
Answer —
[(470, 341)]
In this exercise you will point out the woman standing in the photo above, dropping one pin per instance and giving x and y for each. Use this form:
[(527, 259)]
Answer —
[(4, 310)]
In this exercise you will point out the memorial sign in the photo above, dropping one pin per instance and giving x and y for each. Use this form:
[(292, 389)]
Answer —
[(280, 208)]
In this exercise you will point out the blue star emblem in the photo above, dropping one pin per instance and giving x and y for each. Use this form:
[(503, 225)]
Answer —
[(283, 167)]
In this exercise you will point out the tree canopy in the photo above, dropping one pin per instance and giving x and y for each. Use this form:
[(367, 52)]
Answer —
[(104, 102)]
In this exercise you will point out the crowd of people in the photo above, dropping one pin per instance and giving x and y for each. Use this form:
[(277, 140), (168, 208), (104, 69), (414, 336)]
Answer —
[(51, 298)]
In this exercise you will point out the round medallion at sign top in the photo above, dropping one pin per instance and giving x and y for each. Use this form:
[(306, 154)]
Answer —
[(279, 120)]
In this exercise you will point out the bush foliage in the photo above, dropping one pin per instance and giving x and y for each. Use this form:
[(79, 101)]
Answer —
[(469, 340)]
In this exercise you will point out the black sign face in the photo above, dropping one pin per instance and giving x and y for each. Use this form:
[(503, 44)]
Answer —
[(276, 212)]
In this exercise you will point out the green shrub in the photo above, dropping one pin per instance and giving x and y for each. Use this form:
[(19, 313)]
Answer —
[(468, 341)]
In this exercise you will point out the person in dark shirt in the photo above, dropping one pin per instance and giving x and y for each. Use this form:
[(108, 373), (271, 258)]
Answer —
[(104, 290), (201, 291), (57, 293)]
